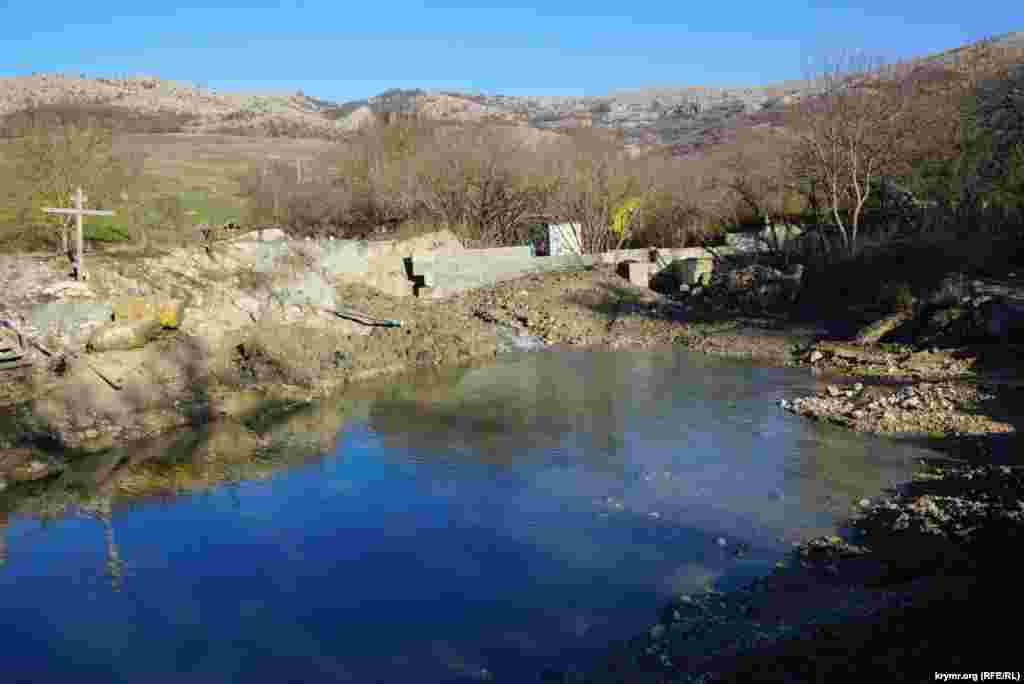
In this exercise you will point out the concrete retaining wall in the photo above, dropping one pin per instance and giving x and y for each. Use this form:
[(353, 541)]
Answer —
[(435, 274), (664, 257), (444, 276)]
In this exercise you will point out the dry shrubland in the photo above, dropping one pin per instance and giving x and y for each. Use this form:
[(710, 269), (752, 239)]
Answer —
[(56, 151), (107, 117), (489, 183), (864, 155), (872, 157)]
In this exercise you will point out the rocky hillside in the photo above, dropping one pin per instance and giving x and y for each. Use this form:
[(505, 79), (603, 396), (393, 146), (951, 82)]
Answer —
[(686, 119), (201, 109)]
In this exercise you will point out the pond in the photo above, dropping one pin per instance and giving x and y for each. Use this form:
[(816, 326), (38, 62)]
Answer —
[(481, 523)]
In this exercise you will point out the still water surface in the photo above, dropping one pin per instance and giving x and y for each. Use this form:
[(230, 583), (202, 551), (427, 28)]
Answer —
[(486, 523)]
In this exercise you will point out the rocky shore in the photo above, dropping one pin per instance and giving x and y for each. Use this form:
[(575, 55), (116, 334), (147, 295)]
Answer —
[(911, 586)]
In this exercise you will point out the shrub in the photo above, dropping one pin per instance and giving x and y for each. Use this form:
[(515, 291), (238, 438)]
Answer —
[(896, 296), (54, 157)]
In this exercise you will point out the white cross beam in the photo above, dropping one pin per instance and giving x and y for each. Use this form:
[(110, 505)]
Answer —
[(78, 212)]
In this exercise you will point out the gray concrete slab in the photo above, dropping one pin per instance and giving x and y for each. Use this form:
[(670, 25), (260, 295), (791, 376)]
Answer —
[(445, 276)]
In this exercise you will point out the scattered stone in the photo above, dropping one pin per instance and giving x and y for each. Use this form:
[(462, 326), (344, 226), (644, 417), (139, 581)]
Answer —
[(33, 470), (71, 288), (123, 335)]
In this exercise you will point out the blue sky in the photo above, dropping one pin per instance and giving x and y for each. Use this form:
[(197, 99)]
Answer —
[(348, 50)]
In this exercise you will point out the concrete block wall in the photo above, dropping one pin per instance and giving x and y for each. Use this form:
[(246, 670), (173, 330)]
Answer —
[(443, 276), (664, 257), (438, 274)]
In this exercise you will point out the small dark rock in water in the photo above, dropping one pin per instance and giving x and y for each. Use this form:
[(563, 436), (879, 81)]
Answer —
[(741, 550)]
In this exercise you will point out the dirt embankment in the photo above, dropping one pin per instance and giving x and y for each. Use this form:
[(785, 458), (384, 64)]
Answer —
[(241, 334)]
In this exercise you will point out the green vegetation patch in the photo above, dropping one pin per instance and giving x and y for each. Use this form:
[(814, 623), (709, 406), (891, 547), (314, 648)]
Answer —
[(106, 229), (194, 206)]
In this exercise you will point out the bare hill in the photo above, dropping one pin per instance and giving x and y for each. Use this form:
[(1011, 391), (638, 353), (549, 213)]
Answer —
[(203, 110), (685, 119)]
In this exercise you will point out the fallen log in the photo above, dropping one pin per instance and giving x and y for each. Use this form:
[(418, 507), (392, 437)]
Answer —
[(872, 333)]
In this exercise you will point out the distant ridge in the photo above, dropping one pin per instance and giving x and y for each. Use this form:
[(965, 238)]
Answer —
[(685, 119)]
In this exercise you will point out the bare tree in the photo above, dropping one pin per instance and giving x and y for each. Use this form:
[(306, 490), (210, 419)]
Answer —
[(484, 183), (52, 159), (597, 178), (851, 133)]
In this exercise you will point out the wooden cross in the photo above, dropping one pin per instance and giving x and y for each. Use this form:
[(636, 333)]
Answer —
[(78, 212)]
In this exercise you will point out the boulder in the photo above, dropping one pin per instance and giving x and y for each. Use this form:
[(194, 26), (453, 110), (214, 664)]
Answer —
[(134, 309), (11, 346), (264, 235), (123, 335), (683, 273), (637, 272), (760, 286), (24, 465)]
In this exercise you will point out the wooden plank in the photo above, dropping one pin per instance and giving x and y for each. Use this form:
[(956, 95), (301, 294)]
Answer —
[(83, 212)]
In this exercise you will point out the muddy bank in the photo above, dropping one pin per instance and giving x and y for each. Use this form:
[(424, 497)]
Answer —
[(156, 342)]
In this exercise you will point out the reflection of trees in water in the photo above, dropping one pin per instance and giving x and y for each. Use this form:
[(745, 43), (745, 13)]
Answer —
[(3, 539), (502, 412), (102, 510), (162, 469)]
